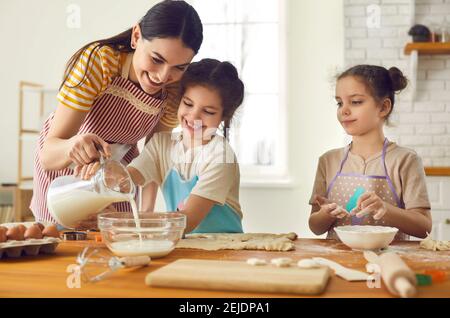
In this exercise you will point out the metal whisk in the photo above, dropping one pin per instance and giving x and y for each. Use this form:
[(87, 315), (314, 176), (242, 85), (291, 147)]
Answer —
[(96, 264)]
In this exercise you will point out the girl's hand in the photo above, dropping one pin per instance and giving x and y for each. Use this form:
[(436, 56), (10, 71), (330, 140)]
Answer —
[(91, 222), (370, 203), (320, 200), (87, 148), (86, 172), (332, 209)]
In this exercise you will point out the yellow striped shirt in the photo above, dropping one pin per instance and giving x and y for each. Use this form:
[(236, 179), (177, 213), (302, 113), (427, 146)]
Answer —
[(105, 64)]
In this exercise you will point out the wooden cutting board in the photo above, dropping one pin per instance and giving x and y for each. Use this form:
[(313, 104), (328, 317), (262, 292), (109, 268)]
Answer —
[(239, 276)]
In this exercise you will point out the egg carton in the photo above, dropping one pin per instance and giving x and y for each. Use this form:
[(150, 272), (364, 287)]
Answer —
[(30, 247)]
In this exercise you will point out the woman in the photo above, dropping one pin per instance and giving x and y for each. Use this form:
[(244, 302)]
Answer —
[(117, 90)]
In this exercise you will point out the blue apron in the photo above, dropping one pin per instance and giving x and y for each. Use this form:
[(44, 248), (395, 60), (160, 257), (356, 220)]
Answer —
[(221, 218)]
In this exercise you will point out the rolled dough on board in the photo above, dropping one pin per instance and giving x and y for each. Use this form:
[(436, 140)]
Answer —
[(429, 244), (239, 241)]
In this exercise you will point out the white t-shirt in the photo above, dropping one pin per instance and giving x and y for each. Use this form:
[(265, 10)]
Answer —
[(214, 164)]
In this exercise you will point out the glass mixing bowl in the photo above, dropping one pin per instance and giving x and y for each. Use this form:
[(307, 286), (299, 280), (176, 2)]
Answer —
[(156, 237)]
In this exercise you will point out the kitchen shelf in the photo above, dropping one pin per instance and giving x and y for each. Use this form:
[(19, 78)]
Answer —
[(20, 199), (23, 191), (429, 48), (437, 171), (415, 49)]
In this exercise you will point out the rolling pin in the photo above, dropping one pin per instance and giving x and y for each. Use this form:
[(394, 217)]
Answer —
[(399, 279)]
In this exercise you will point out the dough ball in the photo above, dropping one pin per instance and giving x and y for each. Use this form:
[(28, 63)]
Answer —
[(307, 263), (256, 261), (282, 261)]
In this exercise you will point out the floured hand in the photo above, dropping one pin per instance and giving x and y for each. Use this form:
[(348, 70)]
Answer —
[(332, 209), (370, 203)]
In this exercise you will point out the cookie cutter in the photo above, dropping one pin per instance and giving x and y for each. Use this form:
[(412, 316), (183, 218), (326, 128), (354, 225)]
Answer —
[(74, 236)]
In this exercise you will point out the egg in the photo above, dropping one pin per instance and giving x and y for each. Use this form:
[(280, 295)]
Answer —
[(41, 226), (22, 228), (51, 231), (33, 232), (15, 233), (3, 237)]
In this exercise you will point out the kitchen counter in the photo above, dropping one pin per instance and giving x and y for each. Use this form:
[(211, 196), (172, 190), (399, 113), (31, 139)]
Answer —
[(47, 275)]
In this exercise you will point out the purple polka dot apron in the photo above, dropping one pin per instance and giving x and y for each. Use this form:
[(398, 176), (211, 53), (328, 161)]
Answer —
[(344, 186)]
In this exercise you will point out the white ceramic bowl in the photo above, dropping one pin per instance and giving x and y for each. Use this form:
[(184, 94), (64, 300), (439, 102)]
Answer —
[(366, 237), (157, 236)]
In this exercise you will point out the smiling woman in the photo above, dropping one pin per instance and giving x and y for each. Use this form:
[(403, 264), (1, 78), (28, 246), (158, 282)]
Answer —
[(158, 62), (117, 90)]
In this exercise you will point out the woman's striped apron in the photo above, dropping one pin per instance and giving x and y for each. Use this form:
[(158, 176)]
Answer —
[(122, 114)]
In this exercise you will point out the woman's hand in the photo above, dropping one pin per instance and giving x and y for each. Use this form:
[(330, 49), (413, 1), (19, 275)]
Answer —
[(86, 172), (87, 148), (370, 203), (91, 222), (329, 208), (113, 180)]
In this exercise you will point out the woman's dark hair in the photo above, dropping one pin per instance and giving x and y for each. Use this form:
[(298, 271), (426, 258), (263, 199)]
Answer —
[(166, 19), (382, 83), (220, 76)]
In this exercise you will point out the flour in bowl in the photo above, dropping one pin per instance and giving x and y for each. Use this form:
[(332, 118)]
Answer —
[(366, 229)]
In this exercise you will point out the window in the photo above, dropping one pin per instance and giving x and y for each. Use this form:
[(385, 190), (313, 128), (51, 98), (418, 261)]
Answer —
[(250, 34)]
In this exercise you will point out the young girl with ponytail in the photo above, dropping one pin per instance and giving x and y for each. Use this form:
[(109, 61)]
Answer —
[(372, 181)]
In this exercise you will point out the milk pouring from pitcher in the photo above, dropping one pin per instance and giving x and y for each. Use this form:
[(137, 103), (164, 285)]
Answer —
[(71, 200)]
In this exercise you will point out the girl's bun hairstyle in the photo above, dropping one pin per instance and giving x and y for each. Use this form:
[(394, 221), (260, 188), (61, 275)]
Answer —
[(380, 82), (399, 81)]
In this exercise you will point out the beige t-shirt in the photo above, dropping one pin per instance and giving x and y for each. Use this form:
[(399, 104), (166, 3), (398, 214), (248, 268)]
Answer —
[(403, 165), (214, 164)]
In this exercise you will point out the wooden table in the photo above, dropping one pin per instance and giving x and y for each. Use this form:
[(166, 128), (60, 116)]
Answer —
[(47, 275)]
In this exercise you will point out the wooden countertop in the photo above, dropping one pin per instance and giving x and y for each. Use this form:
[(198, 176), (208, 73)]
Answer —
[(46, 275)]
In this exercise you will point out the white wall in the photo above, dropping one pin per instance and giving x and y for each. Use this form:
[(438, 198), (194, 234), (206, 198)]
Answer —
[(315, 47), (315, 50), (36, 44), (41, 43), (423, 123)]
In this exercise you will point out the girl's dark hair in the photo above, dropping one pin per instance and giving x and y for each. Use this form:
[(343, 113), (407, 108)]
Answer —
[(166, 19), (220, 76), (382, 83)]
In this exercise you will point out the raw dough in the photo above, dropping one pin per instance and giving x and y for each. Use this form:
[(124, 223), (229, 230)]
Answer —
[(256, 261), (282, 261), (307, 263), (239, 241), (429, 244), (243, 237)]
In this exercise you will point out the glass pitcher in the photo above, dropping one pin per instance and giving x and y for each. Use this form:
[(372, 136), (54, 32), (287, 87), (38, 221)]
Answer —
[(71, 199)]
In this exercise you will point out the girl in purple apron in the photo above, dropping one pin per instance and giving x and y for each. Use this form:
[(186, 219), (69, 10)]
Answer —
[(371, 181), (117, 90)]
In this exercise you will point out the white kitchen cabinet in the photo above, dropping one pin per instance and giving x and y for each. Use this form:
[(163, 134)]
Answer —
[(439, 193)]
